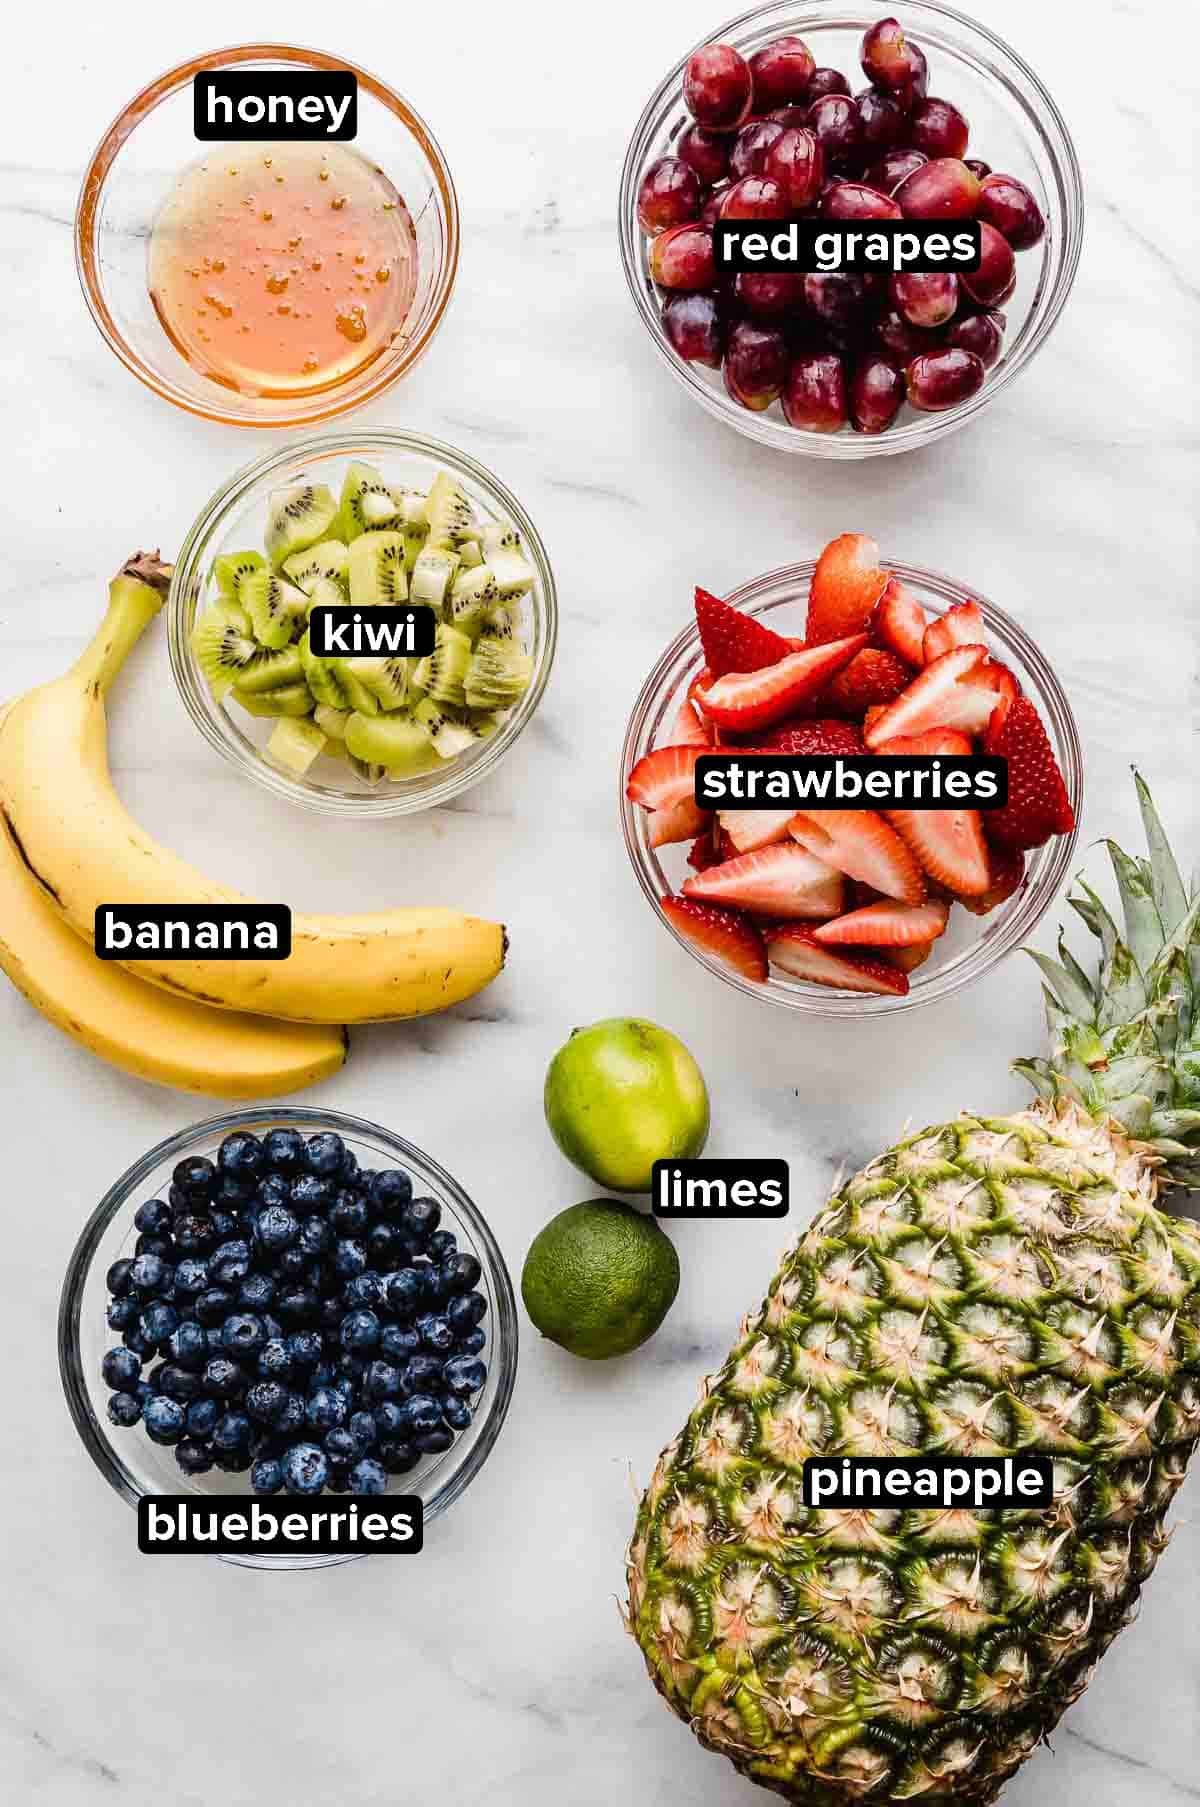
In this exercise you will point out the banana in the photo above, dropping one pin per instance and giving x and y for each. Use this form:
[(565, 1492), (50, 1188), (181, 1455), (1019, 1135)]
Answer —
[(81, 846)]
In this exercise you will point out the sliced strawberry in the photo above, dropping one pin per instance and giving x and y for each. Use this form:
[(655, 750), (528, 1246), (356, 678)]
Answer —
[(1038, 805), (860, 844), (688, 729), (888, 924), (703, 853), (701, 681), (1007, 868), (733, 641), (749, 829), (812, 736), (797, 951), (908, 958), (873, 714), (724, 934), (959, 690), (746, 700), (681, 822), (875, 675), (664, 778), (846, 586), (783, 881), (961, 625), (900, 621), (937, 740), (948, 844)]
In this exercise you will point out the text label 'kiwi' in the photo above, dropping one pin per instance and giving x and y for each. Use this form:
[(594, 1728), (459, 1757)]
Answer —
[(387, 631)]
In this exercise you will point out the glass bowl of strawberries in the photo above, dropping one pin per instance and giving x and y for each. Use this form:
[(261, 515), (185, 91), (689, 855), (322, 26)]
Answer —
[(845, 911)]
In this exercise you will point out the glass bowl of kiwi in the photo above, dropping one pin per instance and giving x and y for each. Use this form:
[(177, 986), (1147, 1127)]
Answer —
[(361, 520)]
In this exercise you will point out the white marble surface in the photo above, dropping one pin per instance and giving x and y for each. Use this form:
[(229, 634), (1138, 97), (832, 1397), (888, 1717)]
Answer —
[(492, 1671)]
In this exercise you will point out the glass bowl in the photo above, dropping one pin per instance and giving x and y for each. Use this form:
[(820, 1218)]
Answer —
[(972, 945), (130, 176), (134, 1465), (1014, 123), (235, 519)]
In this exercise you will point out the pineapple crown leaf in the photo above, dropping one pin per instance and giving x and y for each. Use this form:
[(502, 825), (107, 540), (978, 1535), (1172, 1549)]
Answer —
[(1125, 1043)]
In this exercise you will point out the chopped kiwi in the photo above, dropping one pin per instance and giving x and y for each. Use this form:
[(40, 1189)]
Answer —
[(415, 525), (469, 555), (271, 671), (331, 722), (293, 699), (294, 745), (370, 774), (326, 562), (323, 678), (325, 592), (377, 570), (510, 568), (451, 517), (447, 728), (386, 679), (442, 672), (275, 607), (498, 674), (367, 503), (297, 518), (224, 645), (484, 724), (432, 576), (473, 594), (231, 567), (397, 742)]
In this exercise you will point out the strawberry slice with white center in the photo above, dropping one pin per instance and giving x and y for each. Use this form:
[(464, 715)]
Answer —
[(664, 778), (784, 881), (750, 829), (860, 844), (688, 730), (900, 621), (797, 952), (887, 924), (948, 843), (959, 690), (744, 700), (961, 625), (724, 934), (733, 641), (846, 585), (683, 821)]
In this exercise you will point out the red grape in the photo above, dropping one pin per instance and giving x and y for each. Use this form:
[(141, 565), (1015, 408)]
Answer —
[(876, 392), (706, 152), (887, 57), (769, 293), (717, 87), (855, 201), (835, 296), (978, 167), (900, 341), (996, 277), (834, 119), (942, 379), (981, 333), (890, 171), (939, 129), (781, 72), (693, 325), (750, 147), (926, 297), (826, 81), (943, 189), (755, 198), (669, 195), (797, 162), (710, 213), (790, 116), (814, 396), (882, 120), (682, 258), (756, 361), (1008, 205)]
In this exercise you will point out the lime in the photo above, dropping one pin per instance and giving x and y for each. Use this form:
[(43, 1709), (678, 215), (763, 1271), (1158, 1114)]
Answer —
[(600, 1278), (622, 1095)]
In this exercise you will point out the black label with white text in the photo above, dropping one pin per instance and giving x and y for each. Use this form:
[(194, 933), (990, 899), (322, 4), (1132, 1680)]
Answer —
[(236, 106), (181, 1524), (816, 781), (193, 931), (388, 631), (947, 1481), (719, 1188), (827, 247)]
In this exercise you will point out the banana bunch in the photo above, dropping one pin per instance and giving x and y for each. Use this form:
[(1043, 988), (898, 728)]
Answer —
[(230, 1028)]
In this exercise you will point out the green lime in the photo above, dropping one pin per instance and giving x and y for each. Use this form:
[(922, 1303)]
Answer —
[(622, 1095), (600, 1278)]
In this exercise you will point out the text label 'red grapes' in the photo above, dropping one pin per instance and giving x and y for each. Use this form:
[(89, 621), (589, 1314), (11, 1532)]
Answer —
[(830, 246)]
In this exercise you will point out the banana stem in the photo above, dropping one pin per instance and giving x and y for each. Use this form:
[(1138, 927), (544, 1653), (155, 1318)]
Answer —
[(134, 598)]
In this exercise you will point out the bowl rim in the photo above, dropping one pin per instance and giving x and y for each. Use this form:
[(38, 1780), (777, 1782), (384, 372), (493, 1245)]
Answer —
[(1041, 109), (939, 591), (325, 404), (504, 1345), (461, 774)]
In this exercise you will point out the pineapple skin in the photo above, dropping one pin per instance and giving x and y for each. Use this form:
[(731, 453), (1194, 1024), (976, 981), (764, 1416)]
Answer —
[(991, 1285)]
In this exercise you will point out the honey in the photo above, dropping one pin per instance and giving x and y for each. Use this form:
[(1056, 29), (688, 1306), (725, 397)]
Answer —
[(282, 269)]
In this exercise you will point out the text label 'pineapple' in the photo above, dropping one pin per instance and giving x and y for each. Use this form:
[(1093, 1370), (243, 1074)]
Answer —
[(720, 1188), (194, 931), (385, 631), (235, 106), (851, 1482)]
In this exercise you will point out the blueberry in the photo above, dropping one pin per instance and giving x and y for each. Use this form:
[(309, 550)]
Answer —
[(274, 1190), (349, 1258), (274, 1361), (391, 1190), (149, 1274), (226, 1224), (214, 1339), (432, 1443), (232, 1461), (457, 1413), (344, 1386), (421, 1217), (201, 1415), (133, 1339), (117, 1278), (142, 1390), (315, 1236), (388, 1419), (462, 1271), (276, 1228), (360, 1330), (121, 1313), (420, 1413), (163, 1419), (187, 1345), (405, 1292), (397, 1344), (214, 1305), (325, 1408), (472, 1343), (223, 1378), (230, 1262), (158, 1321), (331, 1313), (368, 1476), (365, 1291), (256, 1292), (305, 1468), (304, 1347), (419, 1374), (194, 1177), (292, 1264), (349, 1214), (435, 1334), (324, 1154), (149, 1244), (463, 1375), (194, 1235), (385, 1246), (382, 1381), (124, 1409), (154, 1216), (297, 1305), (265, 1401), (397, 1456), (309, 1193), (363, 1429), (351, 1172), (323, 1375), (465, 1311), (231, 1431), (233, 1194), (292, 1417), (340, 1445), (241, 1154), (284, 1149), (193, 1457), (266, 1475), (178, 1383), (442, 1245)]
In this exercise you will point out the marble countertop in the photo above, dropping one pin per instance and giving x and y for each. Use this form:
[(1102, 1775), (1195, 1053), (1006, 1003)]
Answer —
[(492, 1672)]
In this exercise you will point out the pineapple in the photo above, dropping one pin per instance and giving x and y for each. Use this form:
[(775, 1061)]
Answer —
[(990, 1285)]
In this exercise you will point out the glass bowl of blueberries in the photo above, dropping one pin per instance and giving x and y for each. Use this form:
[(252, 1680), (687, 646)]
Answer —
[(288, 1303)]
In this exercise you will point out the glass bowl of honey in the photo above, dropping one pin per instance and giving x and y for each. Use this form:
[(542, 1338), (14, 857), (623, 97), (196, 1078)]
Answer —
[(264, 283)]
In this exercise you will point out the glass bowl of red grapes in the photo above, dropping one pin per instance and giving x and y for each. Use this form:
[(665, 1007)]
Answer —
[(839, 114)]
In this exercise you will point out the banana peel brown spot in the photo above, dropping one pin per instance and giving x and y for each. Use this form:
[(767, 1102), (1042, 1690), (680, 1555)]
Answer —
[(26, 861)]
